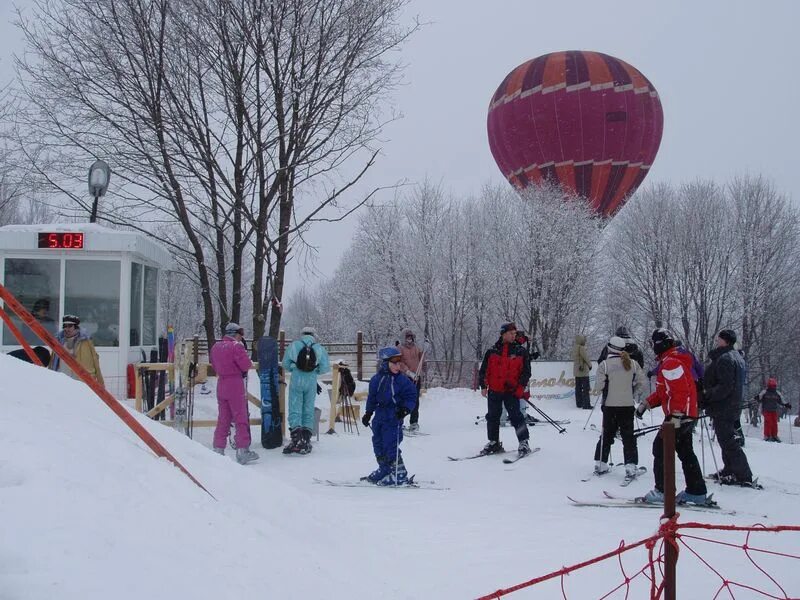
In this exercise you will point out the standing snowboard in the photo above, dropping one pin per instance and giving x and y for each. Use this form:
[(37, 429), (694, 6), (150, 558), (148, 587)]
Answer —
[(271, 419)]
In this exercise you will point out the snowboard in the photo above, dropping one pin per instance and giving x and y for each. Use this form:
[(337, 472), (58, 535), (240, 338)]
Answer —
[(271, 419)]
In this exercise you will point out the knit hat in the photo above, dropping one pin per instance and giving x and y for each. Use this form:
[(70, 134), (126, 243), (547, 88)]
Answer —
[(616, 344), (729, 335), (662, 340), (70, 320), (232, 328), (505, 327), (309, 331), (622, 332)]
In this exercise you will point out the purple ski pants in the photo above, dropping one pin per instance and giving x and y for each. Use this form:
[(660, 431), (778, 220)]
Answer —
[(232, 410)]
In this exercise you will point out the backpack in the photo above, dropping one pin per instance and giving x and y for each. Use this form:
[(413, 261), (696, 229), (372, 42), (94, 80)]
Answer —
[(306, 358)]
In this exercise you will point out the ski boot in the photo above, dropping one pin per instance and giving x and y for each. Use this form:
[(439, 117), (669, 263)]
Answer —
[(685, 497), (304, 442), (631, 471), (292, 446), (379, 473), (219, 451), (245, 455), (524, 448), (397, 475), (492, 448), (531, 420), (413, 427), (601, 468), (654, 496)]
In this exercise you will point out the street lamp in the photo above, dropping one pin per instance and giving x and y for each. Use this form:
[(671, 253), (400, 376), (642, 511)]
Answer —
[(99, 174)]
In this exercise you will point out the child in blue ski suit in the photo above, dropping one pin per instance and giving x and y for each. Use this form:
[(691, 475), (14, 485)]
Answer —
[(391, 397)]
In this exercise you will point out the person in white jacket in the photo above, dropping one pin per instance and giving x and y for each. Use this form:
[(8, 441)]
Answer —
[(625, 380)]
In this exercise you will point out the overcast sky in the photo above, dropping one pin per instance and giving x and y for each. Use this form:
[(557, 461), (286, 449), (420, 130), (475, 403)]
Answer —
[(726, 71)]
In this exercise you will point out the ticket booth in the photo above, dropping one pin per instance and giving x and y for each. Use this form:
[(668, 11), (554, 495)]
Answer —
[(110, 279)]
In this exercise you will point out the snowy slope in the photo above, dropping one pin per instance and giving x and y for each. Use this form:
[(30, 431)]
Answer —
[(89, 512)]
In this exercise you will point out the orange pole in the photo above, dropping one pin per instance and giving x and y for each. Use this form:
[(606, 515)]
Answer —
[(98, 389), (18, 334)]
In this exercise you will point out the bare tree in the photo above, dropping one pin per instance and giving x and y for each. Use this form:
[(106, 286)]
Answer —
[(223, 118)]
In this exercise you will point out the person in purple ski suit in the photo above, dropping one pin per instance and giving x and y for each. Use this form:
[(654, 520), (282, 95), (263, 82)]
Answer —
[(231, 363)]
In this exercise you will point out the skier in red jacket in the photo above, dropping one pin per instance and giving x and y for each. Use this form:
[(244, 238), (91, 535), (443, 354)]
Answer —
[(504, 375), (676, 393)]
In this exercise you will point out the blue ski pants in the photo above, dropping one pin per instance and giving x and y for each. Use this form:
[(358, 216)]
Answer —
[(302, 394), (387, 433)]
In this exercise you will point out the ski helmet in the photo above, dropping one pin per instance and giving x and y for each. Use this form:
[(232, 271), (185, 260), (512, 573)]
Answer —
[(388, 353)]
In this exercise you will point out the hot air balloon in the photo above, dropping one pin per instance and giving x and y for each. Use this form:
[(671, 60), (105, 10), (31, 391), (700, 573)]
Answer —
[(586, 120)]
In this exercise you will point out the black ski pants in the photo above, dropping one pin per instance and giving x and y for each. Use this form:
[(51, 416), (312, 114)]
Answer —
[(415, 413), (695, 484), (617, 418), (582, 399), (495, 402), (734, 459)]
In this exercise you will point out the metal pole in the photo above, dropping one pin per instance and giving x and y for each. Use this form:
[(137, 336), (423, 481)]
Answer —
[(93, 217), (670, 548)]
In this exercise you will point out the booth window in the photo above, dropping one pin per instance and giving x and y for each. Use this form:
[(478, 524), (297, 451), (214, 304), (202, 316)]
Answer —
[(136, 304), (92, 293), (149, 305), (36, 283)]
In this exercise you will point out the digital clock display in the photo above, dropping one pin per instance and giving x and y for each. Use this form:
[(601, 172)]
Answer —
[(61, 240)]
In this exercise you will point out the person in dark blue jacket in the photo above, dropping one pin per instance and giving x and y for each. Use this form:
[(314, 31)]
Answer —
[(391, 397)]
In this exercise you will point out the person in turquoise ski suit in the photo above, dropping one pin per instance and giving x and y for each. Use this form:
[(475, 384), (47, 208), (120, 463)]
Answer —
[(303, 390), (392, 395)]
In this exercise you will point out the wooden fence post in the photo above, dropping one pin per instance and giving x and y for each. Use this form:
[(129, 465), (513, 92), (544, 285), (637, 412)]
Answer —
[(360, 355), (281, 344), (336, 379)]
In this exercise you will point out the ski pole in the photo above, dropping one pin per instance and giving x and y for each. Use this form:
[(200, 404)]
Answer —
[(645, 430), (590, 415), (710, 446), (546, 416)]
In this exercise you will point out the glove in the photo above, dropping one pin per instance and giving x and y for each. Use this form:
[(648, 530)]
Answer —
[(365, 419), (319, 389), (640, 410), (535, 355), (519, 392), (411, 374), (676, 419), (401, 413)]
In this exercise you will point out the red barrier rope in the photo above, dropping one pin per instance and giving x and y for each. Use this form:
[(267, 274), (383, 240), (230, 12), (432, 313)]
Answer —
[(152, 443), (669, 532)]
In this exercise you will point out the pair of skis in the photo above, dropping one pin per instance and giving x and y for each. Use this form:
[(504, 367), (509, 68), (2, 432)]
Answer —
[(625, 482), (507, 461), (410, 484), (612, 501)]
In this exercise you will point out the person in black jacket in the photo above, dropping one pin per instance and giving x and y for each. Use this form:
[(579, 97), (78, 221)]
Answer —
[(723, 392), (503, 378)]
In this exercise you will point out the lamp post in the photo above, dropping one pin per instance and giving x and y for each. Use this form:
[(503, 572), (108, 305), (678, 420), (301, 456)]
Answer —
[(99, 175)]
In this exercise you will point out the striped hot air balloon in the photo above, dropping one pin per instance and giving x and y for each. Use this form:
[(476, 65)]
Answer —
[(586, 120)]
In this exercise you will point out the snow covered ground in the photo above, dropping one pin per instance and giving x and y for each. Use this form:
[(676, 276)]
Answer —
[(89, 512)]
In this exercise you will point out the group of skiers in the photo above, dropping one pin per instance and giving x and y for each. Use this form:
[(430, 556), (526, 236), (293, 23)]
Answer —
[(683, 388), (393, 394)]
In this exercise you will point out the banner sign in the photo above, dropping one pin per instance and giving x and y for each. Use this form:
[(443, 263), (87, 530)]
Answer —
[(554, 380)]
